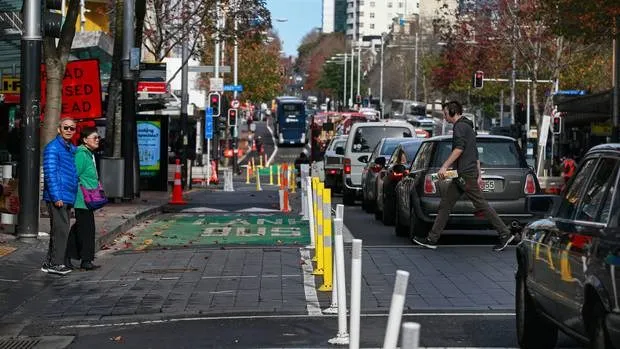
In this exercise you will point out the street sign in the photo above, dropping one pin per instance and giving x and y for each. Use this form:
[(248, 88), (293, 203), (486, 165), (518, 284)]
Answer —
[(234, 104), (571, 92), (233, 88), (209, 123), (208, 69), (216, 84)]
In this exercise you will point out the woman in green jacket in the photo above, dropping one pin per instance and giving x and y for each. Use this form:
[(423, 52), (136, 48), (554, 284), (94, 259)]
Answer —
[(81, 244)]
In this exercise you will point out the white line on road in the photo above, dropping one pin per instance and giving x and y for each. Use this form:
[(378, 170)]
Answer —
[(275, 145), (313, 306), (8, 280), (260, 317)]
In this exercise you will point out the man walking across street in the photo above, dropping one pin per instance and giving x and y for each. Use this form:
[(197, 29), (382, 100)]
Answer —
[(59, 191), (465, 155)]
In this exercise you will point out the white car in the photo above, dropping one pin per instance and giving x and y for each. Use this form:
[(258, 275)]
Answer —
[(362, 139)]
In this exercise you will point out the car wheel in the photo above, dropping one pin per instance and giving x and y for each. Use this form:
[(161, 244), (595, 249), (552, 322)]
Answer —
[(388, 212), (533, 330), (598, 334), (348, 197), (417, 227), (399, 228)]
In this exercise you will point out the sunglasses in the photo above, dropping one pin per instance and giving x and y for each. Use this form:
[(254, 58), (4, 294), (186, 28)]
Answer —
[(68, 128), (94, 137)]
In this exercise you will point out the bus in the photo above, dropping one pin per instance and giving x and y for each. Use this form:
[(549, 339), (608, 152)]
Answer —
[(291, 124)]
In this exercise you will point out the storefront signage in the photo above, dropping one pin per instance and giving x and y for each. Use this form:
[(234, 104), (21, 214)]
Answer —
[(601, 129)]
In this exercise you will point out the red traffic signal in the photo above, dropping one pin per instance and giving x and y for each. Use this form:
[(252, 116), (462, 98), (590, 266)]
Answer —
[(556, 125), (215, 103), (232, 117), (478, 79)]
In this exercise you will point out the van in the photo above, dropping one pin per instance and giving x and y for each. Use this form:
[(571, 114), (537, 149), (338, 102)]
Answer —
[(363, 138)]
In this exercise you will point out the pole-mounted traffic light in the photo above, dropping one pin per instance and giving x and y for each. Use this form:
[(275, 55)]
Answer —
[(556, 125), (52, 18), (215, 103), (478, 79), (358, 99), (232, 117)]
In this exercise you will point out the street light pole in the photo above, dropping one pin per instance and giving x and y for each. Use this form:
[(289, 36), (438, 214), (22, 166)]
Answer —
[(235, 82), (184, 102), (381, 77), (359, 63), (415, 69), (353, 40), (29, 176), (128, 131), (513, 75), (344, 97)]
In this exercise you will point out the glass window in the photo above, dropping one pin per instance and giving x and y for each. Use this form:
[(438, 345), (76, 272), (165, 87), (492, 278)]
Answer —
[(400, 4), (396, 155), (411, 149), (598, 191), (421, 158), (375, 154), (366, 138), (372, 26), (389, 146), (372, 15), (389, 5), (571, 194), (492, 154), (372, 4)]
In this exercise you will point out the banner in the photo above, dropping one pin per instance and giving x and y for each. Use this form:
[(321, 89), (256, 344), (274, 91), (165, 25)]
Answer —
[(81, 90), (149, 142)]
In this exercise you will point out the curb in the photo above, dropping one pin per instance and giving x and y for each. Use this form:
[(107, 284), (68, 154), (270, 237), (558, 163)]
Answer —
[(126, 225)]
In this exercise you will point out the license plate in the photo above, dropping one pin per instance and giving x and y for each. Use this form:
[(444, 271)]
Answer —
[(488, 186)]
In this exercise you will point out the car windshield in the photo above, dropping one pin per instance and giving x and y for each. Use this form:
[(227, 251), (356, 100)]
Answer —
[(491, 153), (366, 138), (388, 146), (338, 143)]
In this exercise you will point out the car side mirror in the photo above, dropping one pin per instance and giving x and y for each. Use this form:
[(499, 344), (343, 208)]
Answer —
[(339, 151), (543, 205), (363, 158), (380, 160)]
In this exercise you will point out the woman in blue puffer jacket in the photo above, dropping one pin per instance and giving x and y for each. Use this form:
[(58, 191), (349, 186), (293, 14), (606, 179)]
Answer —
[(59, 191)]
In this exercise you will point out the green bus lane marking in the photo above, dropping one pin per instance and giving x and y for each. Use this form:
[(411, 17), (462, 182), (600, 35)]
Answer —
[(184, 230)]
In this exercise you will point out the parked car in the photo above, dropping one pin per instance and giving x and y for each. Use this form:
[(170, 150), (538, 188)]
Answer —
[(332, 163), (374, 165), (362, 139), (508, 181), (566, 276), (392, 173)]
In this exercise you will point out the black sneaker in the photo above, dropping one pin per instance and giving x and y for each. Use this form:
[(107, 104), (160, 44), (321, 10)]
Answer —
[(503, 242), (69, 264), (45, 267), (58, 270), (425, 242)]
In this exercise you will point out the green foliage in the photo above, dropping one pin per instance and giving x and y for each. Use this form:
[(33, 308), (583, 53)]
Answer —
[(584, 20)]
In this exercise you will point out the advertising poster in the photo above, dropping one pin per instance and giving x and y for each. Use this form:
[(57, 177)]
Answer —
[(149, 140)]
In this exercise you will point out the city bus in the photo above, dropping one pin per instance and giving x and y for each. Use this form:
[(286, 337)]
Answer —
[(291, 126)]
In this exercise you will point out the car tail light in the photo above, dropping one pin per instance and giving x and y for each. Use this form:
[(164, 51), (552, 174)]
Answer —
[(530, 185), (429, 185), (396, 176), (347, 166), (332, 171)]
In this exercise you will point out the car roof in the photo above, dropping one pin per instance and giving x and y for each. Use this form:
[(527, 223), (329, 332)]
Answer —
[(480, 136), (605, 147)]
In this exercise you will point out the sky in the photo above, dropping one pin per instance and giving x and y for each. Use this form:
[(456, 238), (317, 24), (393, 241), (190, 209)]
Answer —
[(301, 16)]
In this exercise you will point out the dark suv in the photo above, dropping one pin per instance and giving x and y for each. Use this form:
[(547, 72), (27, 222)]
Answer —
[(508, 180), (566, 277)]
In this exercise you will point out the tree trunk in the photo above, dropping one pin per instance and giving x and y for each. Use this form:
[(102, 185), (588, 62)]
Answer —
[(114, 119), (55, 63)]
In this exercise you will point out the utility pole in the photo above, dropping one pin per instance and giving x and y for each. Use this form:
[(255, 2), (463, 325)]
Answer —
[(344, 96), (359, 63), (513, 75), (616, 92), (128, 131), (415, 69), (381, 77), (235, 82), (353, 40), (185, 169), (28, 218)]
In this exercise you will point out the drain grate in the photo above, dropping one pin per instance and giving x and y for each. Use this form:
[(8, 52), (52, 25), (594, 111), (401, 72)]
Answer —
[(18, 343)]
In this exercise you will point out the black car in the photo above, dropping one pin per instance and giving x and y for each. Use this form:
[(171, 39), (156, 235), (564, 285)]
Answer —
[(566, 277), (507, 178), (394, 170)]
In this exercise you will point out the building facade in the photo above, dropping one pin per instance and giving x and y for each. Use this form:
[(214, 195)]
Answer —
[(374, 17), (334, 16)]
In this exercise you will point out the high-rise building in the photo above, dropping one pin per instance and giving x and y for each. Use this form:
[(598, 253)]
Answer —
[(374, 17), (334, 16)]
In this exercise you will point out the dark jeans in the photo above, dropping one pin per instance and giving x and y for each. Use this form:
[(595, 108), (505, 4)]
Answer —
[(81, 243), (474, 194), (59, 232)]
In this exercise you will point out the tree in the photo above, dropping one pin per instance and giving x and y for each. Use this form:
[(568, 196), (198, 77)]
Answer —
[(315, 49), (591, 20), (259, 69), (56, 57)]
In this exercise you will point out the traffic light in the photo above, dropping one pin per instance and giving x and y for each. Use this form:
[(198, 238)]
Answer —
[(556, 125), (232, 117), (478, 79), (358, 99), (52, 18), (215, 103)]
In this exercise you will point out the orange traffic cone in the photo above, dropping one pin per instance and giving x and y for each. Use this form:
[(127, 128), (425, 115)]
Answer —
[(214, 179), (177, 191), (285, 207)]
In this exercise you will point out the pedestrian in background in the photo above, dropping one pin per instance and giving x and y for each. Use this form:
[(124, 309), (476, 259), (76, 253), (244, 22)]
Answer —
[(81, 242), (60, 185), (465, 155)]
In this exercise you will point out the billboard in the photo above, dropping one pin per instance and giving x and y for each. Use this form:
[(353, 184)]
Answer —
[(149, 142)]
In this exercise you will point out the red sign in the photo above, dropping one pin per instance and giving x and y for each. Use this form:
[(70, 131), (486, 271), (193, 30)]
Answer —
[(81, 90), (152, 86)]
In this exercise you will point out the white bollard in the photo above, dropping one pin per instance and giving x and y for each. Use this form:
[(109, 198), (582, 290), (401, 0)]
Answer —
[(340, 212), (228, 180), (356, 292), (308, 185), (304, 191), (411, 335), (333, 307), (342, 338), (396, 310)]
